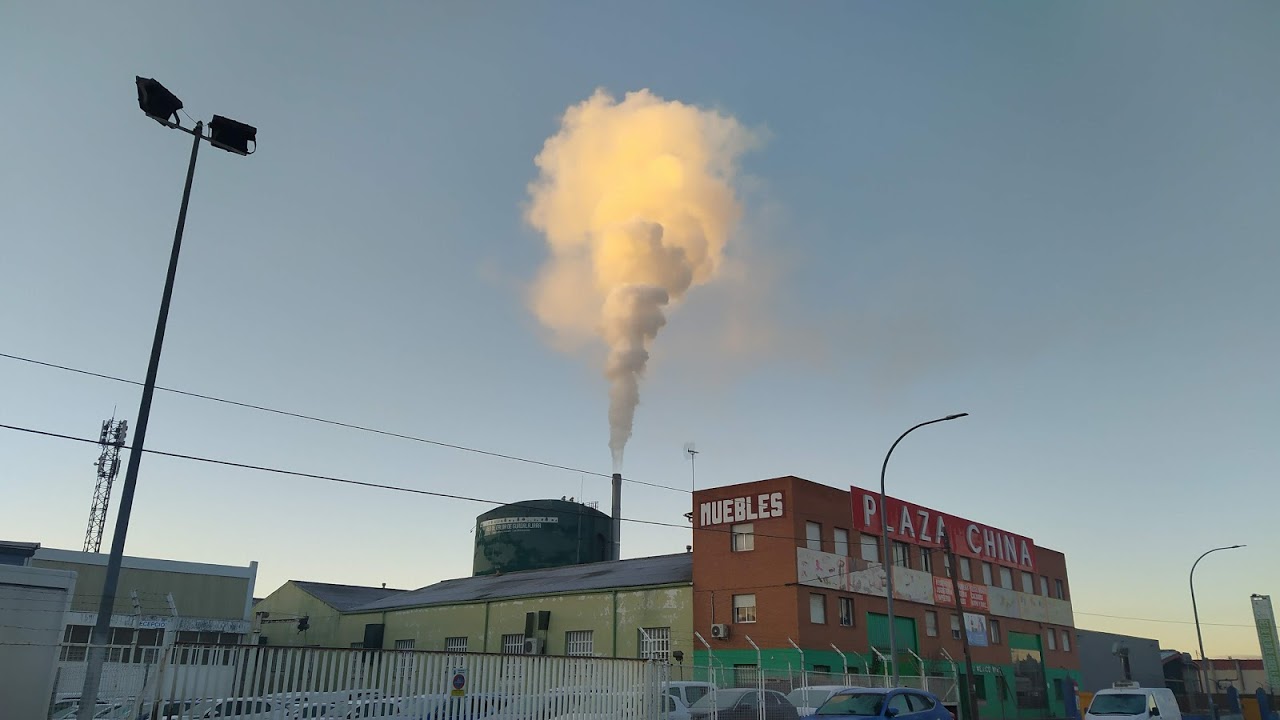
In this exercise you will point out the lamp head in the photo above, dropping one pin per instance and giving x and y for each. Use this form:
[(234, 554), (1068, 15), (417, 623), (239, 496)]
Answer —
[(156, 100), (232, 136)]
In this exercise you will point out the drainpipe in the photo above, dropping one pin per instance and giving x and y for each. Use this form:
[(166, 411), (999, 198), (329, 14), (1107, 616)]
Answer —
[(484, 639), (615, 622)]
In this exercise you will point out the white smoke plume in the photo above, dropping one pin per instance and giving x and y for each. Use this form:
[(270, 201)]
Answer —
[(637, 204)]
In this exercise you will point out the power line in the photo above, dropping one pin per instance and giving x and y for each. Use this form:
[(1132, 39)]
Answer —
[(337, 423), (1158, 620), (334, 479)]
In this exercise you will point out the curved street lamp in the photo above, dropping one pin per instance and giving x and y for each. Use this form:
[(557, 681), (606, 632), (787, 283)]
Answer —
[(884, 530), (1204, 677), (160, 105)]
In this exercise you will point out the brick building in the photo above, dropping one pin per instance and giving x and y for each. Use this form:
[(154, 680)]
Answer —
[(786, 560)]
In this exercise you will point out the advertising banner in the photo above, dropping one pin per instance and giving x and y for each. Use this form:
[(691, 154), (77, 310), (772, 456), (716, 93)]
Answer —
[(972, 597), (836, 572), (975, 626), (1264, 618), (926, 527)]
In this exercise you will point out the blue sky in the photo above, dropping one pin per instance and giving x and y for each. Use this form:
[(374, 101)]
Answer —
[(1059, 217)]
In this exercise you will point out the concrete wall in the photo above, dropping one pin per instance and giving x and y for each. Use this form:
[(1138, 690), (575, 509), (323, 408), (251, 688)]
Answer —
[(33, 603), (199, 589), (1099, 668)]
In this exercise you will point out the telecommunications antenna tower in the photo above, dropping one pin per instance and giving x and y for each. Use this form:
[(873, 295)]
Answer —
[(692, 451), (111, 440)]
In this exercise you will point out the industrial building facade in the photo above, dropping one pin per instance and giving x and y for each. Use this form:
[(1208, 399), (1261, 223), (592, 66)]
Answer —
[(795, 568), (638, 608)]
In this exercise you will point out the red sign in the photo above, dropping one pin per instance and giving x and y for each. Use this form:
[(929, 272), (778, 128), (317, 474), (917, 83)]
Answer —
[(972, 597), (921, 526)]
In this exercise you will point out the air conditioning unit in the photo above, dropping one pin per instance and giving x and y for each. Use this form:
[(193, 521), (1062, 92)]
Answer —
[(720, 631), (534, 646)]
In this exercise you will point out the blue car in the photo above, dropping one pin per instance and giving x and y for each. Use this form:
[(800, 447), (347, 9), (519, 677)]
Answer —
[(891, 704)]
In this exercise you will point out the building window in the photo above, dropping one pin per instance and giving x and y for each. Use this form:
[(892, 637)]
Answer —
[(901, 554), (1059, 590), (980, 688), (458, 644), (817, 609), (744, 537), (577, 643), (993, 631), (955, 627), (744, 608), (655, 643), (1028, 583), (966, 570), (745, 676), (986, 573), (846, 611), (513, 644), (841, 537), (1057, 689), (871, 548), (1044, 586), (813, 535), (1006, 578), (930, 623), (357, 645), (1066, 641), (926, 559), (1053, 642), (405, 644)]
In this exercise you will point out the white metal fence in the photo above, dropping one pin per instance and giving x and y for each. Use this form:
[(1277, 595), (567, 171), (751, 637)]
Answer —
[(279, 682)]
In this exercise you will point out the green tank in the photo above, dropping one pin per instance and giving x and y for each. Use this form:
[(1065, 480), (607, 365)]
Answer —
[(540, 534)]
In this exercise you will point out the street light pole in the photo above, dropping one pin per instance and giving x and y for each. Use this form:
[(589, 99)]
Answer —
[(1204, 677), (159, 104), (884, 529)]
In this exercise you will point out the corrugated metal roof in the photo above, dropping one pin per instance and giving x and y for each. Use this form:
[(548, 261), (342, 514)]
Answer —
[(658, 570), (345, 597)]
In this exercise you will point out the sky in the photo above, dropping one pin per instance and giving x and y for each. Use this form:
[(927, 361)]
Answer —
[(1060, 218)]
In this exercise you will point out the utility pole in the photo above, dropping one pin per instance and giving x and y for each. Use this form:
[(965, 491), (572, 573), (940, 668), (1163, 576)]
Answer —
[(971, 713)]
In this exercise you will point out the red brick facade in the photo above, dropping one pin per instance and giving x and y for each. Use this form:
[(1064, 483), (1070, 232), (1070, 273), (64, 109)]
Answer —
[(769, 572)]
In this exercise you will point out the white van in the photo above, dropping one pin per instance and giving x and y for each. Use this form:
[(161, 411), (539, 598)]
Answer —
[(1128, 701)]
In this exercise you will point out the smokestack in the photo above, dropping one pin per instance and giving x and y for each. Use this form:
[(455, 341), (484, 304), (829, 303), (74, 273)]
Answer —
[(617, 517)]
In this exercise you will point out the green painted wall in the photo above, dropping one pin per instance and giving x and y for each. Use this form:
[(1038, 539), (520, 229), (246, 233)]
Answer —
[(207, 596), (615, 633), (290, 602)]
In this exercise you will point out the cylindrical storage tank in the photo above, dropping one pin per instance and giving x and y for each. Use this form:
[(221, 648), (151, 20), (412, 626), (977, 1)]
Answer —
[(540, 534)]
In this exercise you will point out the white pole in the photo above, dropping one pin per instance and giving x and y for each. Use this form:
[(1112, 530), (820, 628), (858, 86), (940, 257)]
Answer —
[(711, 674), (759, 678), (804, 672), (844, 660), (921, 661)]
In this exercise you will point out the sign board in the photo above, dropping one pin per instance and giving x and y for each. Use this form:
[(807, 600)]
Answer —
[(972, 597), (458, 685), (1264, 618), (740, 509), (511, 524), (975, 626), (922, 526)]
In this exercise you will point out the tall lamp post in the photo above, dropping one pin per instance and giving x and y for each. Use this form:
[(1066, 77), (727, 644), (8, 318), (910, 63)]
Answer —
[(162, 106), (1204, 677), (884, 529)]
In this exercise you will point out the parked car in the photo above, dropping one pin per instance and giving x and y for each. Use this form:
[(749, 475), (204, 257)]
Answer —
[(744, 704), (1127, 701), (887, 703), (687, 692), (808, 699)]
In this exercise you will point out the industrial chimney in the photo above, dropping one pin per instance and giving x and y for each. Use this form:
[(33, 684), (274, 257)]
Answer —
[(617, 516)]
